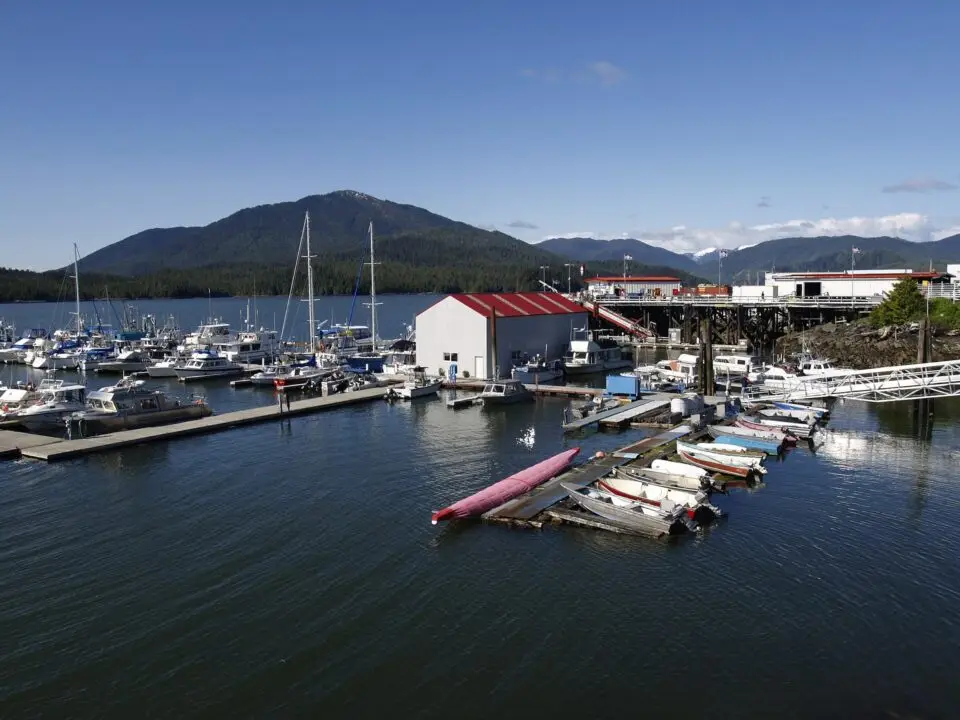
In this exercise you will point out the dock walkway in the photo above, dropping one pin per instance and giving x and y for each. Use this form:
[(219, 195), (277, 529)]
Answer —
[(628, 414), (53, 449)]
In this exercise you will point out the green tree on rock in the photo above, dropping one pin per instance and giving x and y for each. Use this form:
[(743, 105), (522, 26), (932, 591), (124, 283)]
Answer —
[(903, 304)]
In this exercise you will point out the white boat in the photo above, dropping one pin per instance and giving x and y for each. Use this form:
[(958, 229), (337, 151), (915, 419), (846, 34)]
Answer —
[(250, 346), (650, 493), (755, 462), (166, 368), (730, 449), (590, 356), (57, 400), (799, 429), (664, 478), (58, 359), (207, 365), (401, 358), (683, 370), (129, 404), (504, 392), (17, 351), (419, 386), (775, 413), (668, 519), (735, 365), (208, 334), (538, 370), (129, 360)]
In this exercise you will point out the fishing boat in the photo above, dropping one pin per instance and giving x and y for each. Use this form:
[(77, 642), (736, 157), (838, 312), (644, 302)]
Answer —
[(210, 333), (418, 386), (747, 438), (749, 461), (651, 493), (507, 489), (797, 429), (57, 400), (671, 520), (714, 464), (129, 404), (504, 392), (207, 365)]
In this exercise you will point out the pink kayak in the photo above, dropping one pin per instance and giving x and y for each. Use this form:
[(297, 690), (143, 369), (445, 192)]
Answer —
[(507, 489)]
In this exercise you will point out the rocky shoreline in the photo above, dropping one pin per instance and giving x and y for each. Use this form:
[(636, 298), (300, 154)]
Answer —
[(861, 346)]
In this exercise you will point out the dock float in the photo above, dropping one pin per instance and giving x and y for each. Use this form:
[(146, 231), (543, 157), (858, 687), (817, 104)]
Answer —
[(628, 414), (462, 402), (554, 390), (597, 417), (53, 449), (13, 443)]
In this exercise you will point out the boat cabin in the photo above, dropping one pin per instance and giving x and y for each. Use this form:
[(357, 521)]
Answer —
[(735, 364), (505, 389)]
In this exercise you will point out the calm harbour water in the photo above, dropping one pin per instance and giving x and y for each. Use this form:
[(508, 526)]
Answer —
[(290, 570)]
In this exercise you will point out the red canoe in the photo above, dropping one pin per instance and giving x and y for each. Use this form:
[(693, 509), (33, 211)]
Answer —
[(507, 489)]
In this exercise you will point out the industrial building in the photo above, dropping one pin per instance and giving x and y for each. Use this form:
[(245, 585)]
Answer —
[(632, 286), (473, 335), (850, 283)]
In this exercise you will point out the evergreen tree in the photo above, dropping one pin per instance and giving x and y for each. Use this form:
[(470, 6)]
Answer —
[(903, 304)]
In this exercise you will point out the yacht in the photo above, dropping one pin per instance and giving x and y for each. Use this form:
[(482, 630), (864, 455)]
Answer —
[(129, 404), (210, 333), (91, 358), (65, 355), (16, 351), (167, 367), (594, 356), (207, 365), (401, 358), (682, 370), (250, 346), (57, 400), (130, 360), (504, 392)]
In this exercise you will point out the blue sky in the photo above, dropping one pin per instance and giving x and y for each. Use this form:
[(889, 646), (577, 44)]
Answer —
[(687, 124)]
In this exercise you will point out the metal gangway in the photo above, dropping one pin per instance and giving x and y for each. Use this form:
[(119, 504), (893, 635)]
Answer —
[(886, 384), (631, 327)]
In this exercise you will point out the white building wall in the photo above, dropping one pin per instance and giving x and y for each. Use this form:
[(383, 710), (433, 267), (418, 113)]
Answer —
[(955, 271), (451, 328), (750, 291), (533, 334), (832, 287)]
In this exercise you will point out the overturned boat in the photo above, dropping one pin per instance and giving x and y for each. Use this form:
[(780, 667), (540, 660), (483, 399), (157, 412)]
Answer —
[(507, 489)]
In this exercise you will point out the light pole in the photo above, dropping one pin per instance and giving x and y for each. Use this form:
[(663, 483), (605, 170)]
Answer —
[(720, 256), (626, 258), (543, 272), (568, 266)]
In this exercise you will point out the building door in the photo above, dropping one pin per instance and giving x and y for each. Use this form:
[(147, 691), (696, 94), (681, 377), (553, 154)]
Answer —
[(479, 367)]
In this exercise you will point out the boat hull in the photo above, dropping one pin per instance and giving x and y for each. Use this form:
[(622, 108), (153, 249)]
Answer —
[(627, 517), (732, 459), (771, 447), (161, 372), (583, 369), (412, 393), (706, 463), (113, 423), (683, 482), (797, 430), (120, 367), (508, 488), (365, 363), (193, 376), (542, 377)]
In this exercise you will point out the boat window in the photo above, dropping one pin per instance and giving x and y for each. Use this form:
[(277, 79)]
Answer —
[(498, 388), (148, 403)]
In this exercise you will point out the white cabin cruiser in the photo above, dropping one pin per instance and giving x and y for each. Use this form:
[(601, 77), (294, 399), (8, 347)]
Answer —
[(250, 346), (418, 386), (590, 356), (207, 365), (56, 401)]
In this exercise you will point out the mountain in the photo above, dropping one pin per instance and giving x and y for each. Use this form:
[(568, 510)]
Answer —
[(270, 234), (587, 250)]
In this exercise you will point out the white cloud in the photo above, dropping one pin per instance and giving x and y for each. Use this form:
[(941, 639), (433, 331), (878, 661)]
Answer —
[(683, 239), (920, 185), (606, 72)]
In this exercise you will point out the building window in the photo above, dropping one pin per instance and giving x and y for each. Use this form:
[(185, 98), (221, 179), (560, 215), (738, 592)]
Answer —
[(450, 357)]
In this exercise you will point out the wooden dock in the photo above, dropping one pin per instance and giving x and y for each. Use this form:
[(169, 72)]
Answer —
[(635, 450), (462, 402), (553, 390), (51, 449), (531, 504)]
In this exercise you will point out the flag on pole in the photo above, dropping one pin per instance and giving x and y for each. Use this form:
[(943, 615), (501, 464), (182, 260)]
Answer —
[(856, 251), (723, 253), (581, 271), (628, 257)]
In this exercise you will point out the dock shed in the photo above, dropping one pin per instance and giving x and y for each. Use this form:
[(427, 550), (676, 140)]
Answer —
[(633, 286), (855, 283), (475, 335)]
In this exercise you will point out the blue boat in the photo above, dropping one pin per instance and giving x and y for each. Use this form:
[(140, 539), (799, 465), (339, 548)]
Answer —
[(366, 362), (718, 433)]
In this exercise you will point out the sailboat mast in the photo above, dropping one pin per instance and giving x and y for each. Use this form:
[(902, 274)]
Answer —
[(76, 286), (373, 292), (311, 320)]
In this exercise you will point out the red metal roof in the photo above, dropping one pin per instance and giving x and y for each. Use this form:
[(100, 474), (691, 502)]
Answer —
[(636, 278), (519, 304), (879, 275)]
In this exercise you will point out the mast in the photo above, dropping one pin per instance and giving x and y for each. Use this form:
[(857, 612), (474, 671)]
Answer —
[(76, 286), (373, 294), (309, 259)]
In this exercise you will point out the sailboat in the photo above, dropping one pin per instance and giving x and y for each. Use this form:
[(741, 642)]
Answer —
[(370, 361), (281, 375), (67, 352)]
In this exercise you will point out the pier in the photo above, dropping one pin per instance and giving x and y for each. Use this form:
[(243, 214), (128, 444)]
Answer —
[(40, 447), (570, 391)]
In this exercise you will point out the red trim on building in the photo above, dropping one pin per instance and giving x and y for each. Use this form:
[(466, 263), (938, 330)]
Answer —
[(519, 304)]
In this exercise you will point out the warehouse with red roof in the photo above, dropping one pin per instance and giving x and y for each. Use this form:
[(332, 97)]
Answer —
[(475, 335)]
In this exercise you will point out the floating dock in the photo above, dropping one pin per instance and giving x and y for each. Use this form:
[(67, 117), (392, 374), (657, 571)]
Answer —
[(628, 415), (51, 449), (462, 402), (554, 390)]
